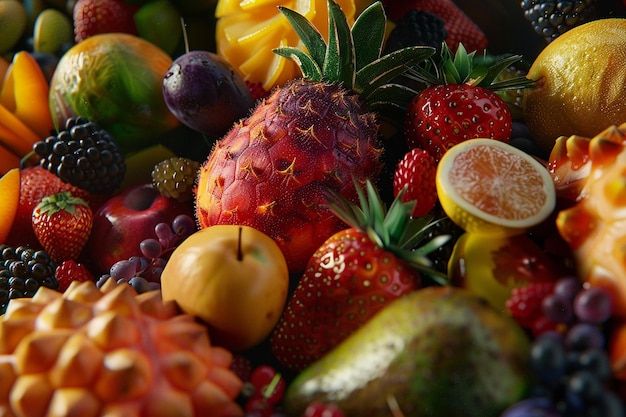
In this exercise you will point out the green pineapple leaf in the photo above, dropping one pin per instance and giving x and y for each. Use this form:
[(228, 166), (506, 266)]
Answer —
[(307, 64), (339, 60), (368, 34), (311, 38), (388, 67), (390, 96)]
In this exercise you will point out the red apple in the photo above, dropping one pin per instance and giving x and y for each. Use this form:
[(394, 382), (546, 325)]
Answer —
[(126, 219)]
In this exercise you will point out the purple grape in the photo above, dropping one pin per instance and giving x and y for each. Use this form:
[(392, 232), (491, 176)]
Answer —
[(593, 305), (204, 92), (164, 231), (124, 269), (532, 407), (183, 225), (150, 248), (557, 308), (583, 387), (583, 336), (596, 361), (139, 284), (568, 287), (548, 358)]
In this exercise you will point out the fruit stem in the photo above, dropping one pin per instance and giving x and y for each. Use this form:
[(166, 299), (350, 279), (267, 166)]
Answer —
[(239, 251), (185, 37)]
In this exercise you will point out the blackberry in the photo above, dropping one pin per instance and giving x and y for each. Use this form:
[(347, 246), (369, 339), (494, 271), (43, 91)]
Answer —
[(417, 27), (83, 155), (551, 19), (22, 271), (175, 177)]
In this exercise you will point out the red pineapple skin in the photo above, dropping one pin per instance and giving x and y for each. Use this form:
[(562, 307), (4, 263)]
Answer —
[(272, 169)]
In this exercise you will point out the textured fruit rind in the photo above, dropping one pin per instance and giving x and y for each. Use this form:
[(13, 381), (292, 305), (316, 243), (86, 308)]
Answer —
[(92, 352)]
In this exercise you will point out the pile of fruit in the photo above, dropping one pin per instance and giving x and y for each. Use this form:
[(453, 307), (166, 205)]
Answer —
[(320, 208)]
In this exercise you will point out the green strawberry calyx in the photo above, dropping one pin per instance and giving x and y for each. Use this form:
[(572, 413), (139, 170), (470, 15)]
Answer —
[(393, 228), (55, 203)]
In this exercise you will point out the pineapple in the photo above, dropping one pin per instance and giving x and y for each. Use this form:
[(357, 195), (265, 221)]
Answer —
[(109, 352), (272, 169)]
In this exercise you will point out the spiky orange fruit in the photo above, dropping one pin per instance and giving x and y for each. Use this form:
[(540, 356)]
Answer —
[(110, 352)]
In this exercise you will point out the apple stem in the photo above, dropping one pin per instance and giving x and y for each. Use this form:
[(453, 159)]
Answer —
[(239, 251)]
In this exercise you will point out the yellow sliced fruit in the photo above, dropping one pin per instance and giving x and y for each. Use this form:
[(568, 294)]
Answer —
[(10, 191), (14, 134), (489, 187), (247, 31), (8, 160)]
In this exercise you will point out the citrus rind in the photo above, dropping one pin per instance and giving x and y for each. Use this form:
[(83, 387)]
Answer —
[(485, 155)]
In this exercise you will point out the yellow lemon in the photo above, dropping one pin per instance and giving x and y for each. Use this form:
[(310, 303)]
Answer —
[(491, 188), (581, 83)]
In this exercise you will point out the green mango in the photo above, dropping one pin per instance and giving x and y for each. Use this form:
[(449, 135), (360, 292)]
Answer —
[(436, 352)]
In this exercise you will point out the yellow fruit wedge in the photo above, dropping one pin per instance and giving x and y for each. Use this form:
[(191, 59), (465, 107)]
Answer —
[(8, 160), (7, 99), (30, 90), (14, 134), (10, 192), (227, 7)]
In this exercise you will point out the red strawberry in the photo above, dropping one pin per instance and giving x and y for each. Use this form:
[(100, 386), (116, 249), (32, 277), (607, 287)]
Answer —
[(460, 27), (92, 17), (62, 224), (351, 277), (256, 90), (35, 184), (416, 171), (524, 303), (460, 102), (69, 271)]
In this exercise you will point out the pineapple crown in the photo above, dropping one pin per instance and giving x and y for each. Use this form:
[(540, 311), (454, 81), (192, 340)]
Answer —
[(393, 228), (352, 56), (467, 68)]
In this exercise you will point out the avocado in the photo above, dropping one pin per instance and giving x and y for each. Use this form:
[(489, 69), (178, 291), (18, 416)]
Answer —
[(436, 352)]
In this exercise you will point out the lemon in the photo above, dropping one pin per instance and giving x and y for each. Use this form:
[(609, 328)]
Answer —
[(581, 83), (494, 189), (52, 29), (13, 21)]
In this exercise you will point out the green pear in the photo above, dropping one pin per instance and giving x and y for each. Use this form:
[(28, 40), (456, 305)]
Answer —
[(437, 352)]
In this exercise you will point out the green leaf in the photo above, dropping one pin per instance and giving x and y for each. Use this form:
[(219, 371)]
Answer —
[(368, 34), (390, 96), (339, 60), (305, 62), (308, 34), (495, 69), (388, 67)]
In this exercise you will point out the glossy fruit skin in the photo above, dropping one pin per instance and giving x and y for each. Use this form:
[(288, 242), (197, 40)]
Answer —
[(205, 92), (417, 171), (443, 115), (124, 220), (234, 278), (347, 281), (131, 108)]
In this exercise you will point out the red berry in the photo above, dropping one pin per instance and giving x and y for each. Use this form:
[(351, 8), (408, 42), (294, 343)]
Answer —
[(69, 271), (524, 303), (268, 384), (256, 90), (417, 171), (241, 366), (319, 409), (92, 17)]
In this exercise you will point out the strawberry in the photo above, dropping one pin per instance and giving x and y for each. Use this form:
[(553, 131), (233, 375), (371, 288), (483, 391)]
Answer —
[(62, 224), (524, 303), (416, 171), (92, 17), (35, 184), (459, 102), (352, 276), (69, 271), (460, 27)]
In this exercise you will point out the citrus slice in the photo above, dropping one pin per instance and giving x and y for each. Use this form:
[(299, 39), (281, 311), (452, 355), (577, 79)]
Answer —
[(489, 187), (10, 191)]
